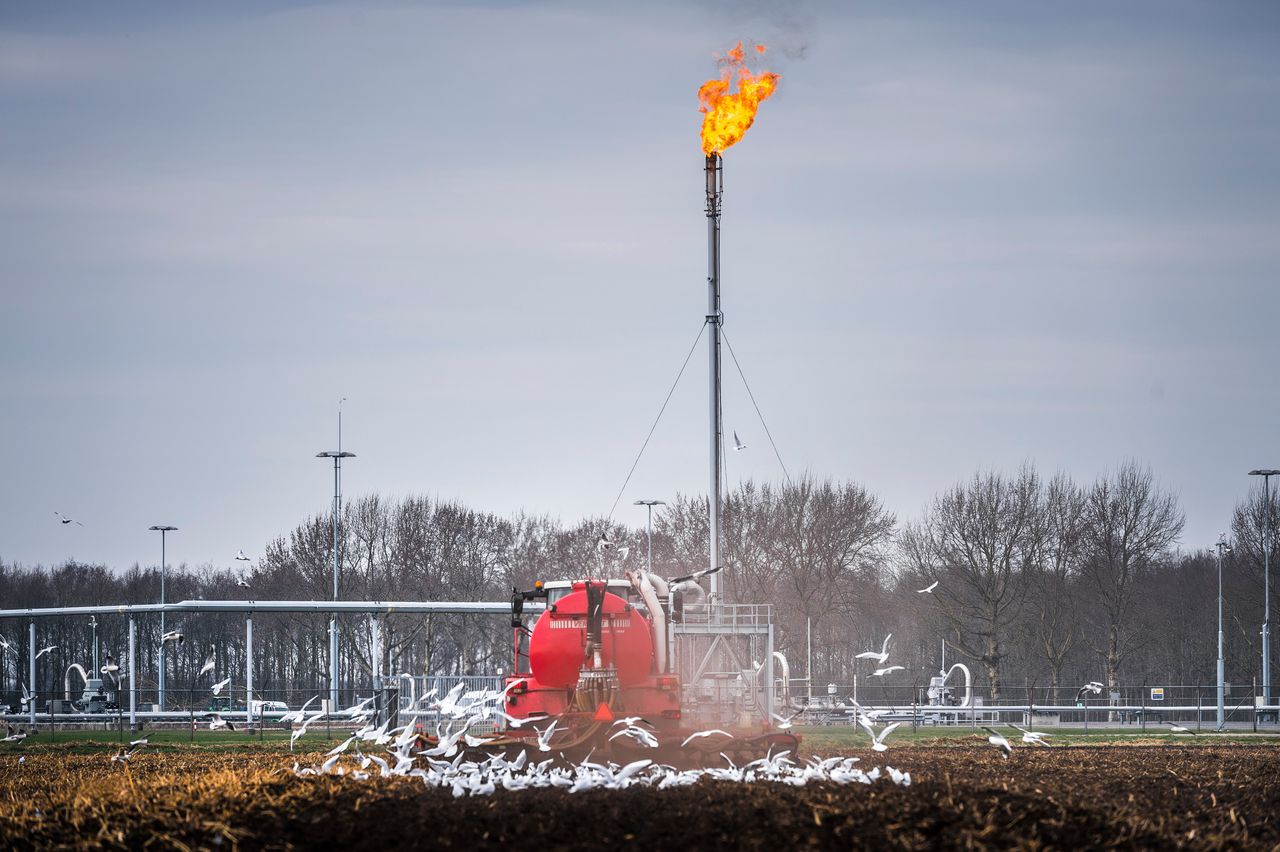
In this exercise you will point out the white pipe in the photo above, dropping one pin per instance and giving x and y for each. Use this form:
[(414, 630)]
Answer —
[(968, 682), (786, 677), (66, 679), (641, 583)]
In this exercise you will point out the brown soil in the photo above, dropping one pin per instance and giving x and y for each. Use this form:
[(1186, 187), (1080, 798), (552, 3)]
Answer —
[(1144, 797)]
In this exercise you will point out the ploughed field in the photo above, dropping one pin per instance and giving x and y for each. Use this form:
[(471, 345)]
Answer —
[(962, 795)]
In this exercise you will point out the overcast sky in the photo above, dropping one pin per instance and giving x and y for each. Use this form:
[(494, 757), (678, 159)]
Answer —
[(960, 237)]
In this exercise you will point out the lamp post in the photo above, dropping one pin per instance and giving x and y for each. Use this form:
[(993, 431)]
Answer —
[(337, 457), (648, 527), (1266, 475), (1222, 547), (164, 531)]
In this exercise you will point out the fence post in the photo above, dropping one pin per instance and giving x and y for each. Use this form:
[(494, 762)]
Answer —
[(1142, 700), (1199, 709), (191, 714), (915, 695)]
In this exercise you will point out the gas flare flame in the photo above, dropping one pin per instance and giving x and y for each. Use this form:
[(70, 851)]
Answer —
[(726, 114)]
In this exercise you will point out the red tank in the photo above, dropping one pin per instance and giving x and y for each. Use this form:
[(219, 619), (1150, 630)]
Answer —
[(545, 680), (557, 646)]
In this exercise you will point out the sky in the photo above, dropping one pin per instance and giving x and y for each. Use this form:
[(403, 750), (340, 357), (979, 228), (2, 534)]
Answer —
[(960, 237)]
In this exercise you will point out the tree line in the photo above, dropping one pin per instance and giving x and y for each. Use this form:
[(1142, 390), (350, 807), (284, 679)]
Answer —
[(1041, 584)]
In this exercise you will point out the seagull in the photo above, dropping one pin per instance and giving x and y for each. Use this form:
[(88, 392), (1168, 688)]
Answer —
[(631, 720), (297, 715), (447, 705), (1091, 687), (696, 575), (640, 735), (7, 645), (110, 669), (706, 733), (927, 590), (242, 582), (1031, 737), (209, 662), (240, 557), (65, 520), (1178, 729), (622, 553), (217, 687), (783, 724), (887, 670), (738, 446), (877, 740), (603, 543), (515, 722), (998, 740), (125, 754), (217, 723), (882, 657), (544, 737), (173, 636), (44, 651)]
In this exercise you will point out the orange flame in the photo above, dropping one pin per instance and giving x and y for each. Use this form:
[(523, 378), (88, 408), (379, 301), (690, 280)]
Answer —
[(727, 115)]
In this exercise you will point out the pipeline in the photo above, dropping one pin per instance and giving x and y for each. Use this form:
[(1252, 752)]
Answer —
[(66, 679)]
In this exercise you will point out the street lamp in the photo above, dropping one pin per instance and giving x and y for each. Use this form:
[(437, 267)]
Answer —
[(1223, 547), (164, 531), (1266, 475), (649, 504), (337, 457)]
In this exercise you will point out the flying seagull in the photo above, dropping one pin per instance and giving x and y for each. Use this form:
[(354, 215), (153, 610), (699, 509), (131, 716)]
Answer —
[(696, 575), (1031, 737), (604, 542), (877, 740), (240, 557), (217, 687), (172, 636), (783, 724), (134, 748), (887, 670), (7, 645), (928, 589), (242, 582), (65, 520), (44, 651), (544, 737), (882, 656), (209, 662), (738, 445), (217, 723), (1091, 687), (110, 669), (1178, 729), (998, 740), (706, 733)]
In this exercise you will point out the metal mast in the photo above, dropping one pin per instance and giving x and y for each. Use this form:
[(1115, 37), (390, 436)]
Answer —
[(715, 188), (337, 532)]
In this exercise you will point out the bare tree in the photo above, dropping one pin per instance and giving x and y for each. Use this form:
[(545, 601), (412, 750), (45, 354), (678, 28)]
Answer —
[(1130, 524), (1054, 565), (976, 540)]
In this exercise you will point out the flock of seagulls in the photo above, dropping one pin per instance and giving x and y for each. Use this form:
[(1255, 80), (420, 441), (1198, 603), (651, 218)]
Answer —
[(471, 777)]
